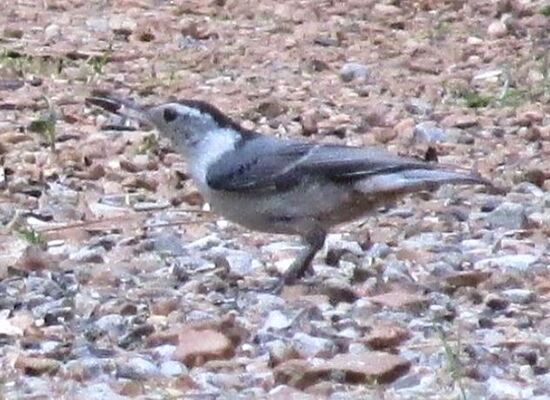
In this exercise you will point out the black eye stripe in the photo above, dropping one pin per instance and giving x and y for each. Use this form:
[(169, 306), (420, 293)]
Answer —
[(170, 114)]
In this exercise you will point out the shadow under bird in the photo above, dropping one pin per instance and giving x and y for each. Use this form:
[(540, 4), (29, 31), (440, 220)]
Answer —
[(283, 186)]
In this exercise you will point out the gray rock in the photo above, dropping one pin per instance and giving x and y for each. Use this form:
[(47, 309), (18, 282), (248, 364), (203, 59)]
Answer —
[(401, 212), (352, 71), (98, 391), (440, 299), (490, 203), (29, 387), (419, 107), (379, 250), (224, 381), (280, 350), (204, 380), (491, 74), (512, 262), (256, 393), (41, 310), (97, 24), (428, 132), (137, 368), (459, 136), (276, 320), (357, 348), (363, 309), (334, 242), (407, 383), (473, 244), (186, 264), (349, 333), (528, 188), (310, 346), (497, 29), (281, 247), (426, 240), (2, 178), (122, 22), (164, 352), (396, 271), (6, 328), (48, 346), (85, 305), (440, 269), (189, 43), (440, 313), (455, 259), (508, 215), (34, 300), (343, 395), (540, 219), (519, 296), (51, 32), (88, 368), (205, 242), (173, 368), (44, 286), (240, 263), (113, 324), (198, 315), (504, 389), (544, 381), (87, 255), (282, 392), (169, 241), (260, 302)]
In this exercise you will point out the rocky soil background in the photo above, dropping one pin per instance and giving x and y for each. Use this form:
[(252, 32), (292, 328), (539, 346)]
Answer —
[(117, 282)]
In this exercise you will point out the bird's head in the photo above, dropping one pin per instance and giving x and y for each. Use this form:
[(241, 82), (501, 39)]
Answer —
[(185, 122)]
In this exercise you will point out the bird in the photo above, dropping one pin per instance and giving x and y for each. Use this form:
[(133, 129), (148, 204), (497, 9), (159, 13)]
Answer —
[(283, 186)]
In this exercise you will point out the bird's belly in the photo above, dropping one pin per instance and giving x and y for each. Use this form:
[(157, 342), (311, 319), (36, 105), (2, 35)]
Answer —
[(290, 212)]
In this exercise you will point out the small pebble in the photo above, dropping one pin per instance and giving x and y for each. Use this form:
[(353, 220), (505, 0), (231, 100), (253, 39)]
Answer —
[(497, 29), (353, 71)]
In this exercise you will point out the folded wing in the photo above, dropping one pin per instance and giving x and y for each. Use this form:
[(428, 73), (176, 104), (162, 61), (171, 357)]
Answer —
[(267, 164)]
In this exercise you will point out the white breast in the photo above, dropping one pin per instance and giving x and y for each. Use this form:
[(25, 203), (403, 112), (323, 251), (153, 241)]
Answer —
[(206, 152)]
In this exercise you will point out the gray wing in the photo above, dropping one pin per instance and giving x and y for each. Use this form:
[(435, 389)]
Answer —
[(268, 163)]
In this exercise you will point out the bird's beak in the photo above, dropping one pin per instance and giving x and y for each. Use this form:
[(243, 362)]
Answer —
[(118, 106)]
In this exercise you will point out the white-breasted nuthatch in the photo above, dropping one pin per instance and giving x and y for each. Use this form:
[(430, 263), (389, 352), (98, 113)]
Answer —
[(283, 186)]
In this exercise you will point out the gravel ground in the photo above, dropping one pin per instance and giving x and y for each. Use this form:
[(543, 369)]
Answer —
[(117, 282)]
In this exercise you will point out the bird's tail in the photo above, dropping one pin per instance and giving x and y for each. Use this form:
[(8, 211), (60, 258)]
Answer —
[(416, 179)]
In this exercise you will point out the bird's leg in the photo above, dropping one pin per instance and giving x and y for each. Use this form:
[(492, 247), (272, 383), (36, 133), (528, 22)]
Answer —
[(315, 240)]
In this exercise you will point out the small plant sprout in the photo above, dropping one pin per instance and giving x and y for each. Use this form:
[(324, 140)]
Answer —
[(149, 144), (32, 236), (545, 10), (98, 62), (45, 126), (454, 365), (474, 99)]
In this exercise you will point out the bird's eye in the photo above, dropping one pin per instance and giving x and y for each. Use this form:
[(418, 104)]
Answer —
[(170, 114)]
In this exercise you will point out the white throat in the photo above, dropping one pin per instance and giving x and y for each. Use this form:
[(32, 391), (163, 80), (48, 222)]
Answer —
[(208, 150)]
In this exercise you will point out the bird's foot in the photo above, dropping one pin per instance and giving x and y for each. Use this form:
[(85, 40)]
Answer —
[(297, 270)]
